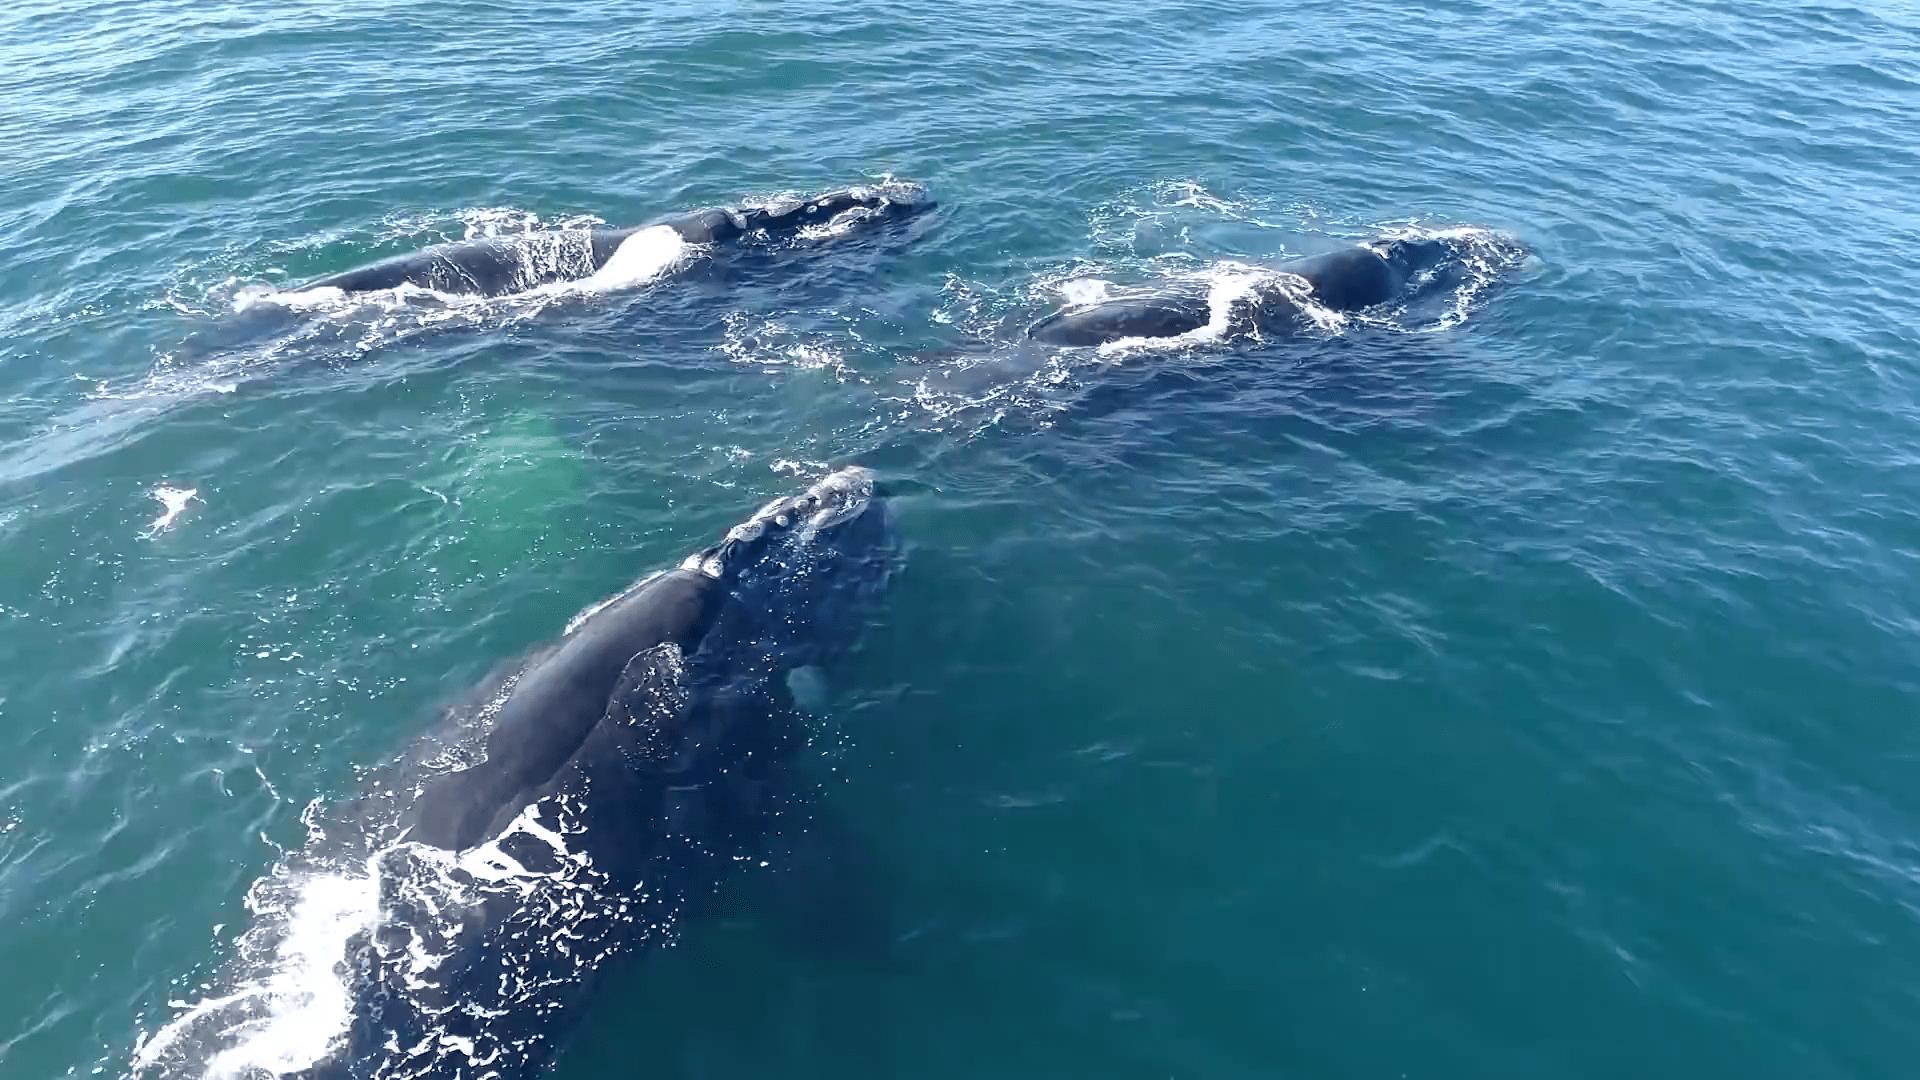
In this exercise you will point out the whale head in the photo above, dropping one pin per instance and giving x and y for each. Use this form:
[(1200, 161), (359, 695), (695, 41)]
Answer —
[(806, 570), (1412, 256)]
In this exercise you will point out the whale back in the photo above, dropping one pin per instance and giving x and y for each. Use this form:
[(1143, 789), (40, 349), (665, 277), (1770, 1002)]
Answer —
[(1348, 279), (491, 266), (1145, 316), (714, 226), (557, 703), (499, 265)]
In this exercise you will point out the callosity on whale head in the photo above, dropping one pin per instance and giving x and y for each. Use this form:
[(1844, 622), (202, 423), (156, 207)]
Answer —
[(806, 570), (1410, 256)]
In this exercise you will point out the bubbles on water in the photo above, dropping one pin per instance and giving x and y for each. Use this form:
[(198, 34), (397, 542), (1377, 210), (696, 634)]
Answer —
[(772, 345)]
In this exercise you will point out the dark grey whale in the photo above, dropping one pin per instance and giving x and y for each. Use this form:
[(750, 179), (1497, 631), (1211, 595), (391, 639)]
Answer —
[(1347, 280), (496, 266), (630, 770)]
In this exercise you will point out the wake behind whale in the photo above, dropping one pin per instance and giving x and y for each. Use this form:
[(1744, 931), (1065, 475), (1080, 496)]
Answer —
[(450, 919)]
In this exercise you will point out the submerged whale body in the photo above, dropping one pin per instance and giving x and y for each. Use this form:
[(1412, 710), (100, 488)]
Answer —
[(629, 769), (496, 266), (1347, 280)]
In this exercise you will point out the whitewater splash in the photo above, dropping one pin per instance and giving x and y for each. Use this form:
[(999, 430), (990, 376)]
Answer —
[(287, 1000)]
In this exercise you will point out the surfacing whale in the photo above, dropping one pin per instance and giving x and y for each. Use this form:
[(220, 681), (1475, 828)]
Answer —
[(628, 771), (501, 265), (1348, 280)]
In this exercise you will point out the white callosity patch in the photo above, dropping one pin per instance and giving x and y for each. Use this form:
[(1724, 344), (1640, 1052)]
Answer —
[(835, 499), (877, 199)]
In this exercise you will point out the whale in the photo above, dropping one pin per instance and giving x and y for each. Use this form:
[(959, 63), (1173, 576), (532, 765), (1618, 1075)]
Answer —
[(618, 778), (502, 265), (1346, 280)]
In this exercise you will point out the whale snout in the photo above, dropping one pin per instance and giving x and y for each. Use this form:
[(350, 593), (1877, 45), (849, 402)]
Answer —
[(1410, 255), (840, 511), (834, 500)]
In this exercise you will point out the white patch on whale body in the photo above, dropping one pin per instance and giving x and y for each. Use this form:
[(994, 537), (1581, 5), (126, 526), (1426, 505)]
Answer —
[(1230, 286), (644, 257)]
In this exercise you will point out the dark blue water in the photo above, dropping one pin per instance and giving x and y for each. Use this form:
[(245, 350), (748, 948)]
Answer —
[(1522, 684)]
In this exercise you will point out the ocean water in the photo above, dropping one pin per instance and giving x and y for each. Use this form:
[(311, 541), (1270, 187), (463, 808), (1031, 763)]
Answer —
[(1526, 684)]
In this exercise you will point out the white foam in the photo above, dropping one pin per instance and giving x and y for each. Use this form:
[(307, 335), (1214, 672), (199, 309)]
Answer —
[(318, 299), (772, 344), (301, 1006), (1192, 193), (308, 1005), (1085, 292), (795, 468), (174, 500)]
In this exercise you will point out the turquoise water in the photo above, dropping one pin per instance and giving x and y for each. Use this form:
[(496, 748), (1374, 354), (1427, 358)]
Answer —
[(1521, 688)]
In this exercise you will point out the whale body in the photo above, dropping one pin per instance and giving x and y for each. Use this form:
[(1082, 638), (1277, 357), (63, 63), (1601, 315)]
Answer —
[(627, 771), (1347, 280), (501, 265)]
